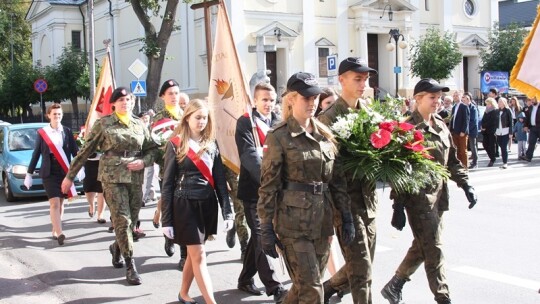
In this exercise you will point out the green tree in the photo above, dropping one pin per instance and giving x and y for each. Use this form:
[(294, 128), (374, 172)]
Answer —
[(503, 48), (14, 31), (17, 89), (435, 55), (69, 78), (155, 42)]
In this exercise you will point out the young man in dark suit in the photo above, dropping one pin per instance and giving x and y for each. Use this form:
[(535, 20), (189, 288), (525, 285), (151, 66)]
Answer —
[(250, 135), (459, 127)]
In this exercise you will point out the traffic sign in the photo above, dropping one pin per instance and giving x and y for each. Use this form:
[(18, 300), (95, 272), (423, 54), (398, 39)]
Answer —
[(137, 68), (397, 69), (40, 86), (138, 88), (331, 64)]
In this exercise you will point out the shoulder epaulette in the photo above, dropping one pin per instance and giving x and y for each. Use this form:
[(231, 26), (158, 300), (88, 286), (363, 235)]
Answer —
[(277, 126)]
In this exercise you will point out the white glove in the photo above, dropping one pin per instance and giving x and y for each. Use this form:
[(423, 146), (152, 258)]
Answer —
[(168, 232), (28, 181), (229, 224), (81, 174)]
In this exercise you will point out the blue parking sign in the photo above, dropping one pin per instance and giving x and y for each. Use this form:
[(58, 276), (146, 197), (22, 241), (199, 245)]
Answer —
[(331, 64)]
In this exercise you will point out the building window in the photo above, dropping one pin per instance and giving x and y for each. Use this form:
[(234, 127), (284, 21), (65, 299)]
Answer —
[(76, 39), (323, 69), (470, 8)]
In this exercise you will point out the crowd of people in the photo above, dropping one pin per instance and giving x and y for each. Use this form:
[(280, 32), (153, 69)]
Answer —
[(291, 195)]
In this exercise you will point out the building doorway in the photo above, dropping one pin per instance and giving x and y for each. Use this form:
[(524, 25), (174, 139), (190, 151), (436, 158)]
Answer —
[(271, 64)]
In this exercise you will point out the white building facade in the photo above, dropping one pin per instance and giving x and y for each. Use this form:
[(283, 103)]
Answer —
[(303, 32)]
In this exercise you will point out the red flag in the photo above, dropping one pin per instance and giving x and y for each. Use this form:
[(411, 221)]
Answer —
[(227, 92), (525, 75), (100, 104)]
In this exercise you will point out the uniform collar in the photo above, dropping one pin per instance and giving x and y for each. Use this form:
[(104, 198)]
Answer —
[(296, 130)]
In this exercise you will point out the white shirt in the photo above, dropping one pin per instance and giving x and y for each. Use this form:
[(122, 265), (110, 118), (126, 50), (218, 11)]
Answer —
[(533, 115), (500, 130), (56, 135), (266, 119)]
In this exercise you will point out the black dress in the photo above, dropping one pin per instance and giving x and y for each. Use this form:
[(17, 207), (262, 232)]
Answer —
[(90, 182), (189, 202)]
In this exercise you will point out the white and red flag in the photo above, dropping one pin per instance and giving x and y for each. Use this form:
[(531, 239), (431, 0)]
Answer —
[(100, 104), (227, 92), (525, 75)]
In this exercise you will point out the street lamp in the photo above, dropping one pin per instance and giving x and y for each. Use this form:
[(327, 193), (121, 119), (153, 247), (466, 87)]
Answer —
[(394, 33)]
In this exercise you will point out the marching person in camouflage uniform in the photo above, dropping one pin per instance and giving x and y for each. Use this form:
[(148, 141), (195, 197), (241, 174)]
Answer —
[(240, 226), (300, 186), (127, 150), (426, 208), (172, 113), (355, 275)]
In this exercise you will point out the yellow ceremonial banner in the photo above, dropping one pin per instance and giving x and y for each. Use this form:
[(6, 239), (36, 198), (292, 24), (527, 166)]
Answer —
[(227, 92), (100, 104), (525, 75)]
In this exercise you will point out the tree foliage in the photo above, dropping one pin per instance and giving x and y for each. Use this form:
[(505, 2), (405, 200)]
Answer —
[(155, 42), (503, 48), (435, 55), (14, 30)]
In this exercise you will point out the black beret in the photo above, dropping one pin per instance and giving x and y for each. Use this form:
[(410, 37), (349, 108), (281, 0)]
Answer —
[(117, 93), (167, 84)]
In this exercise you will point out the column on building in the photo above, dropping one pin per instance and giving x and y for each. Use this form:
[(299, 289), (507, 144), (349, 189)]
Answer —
[(445, 15), (57, 40), (188, 57), (308, 30), (342, 28)]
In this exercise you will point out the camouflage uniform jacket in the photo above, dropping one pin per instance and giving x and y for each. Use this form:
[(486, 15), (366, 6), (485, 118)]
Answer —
[(292, 155), (110, 134), (444, 152), (161, 153), (368, 198)]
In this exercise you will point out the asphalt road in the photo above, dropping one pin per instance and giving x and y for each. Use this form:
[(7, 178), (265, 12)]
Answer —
[(492, 251)]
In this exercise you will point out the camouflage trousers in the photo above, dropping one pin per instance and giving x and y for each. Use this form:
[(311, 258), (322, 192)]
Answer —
[(306, 261), (124, 201), (355, 275), (426, 248), (239, 217)]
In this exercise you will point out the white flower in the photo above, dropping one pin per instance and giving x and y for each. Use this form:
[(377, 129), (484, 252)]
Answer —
[(344, 124)]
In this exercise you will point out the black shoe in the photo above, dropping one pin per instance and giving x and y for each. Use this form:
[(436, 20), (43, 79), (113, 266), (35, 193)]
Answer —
[(132, 275), (169, 246), (473, 166), (280, 294), (156, 224), (117, 260), (61, 239), (329, 291), (392, 290), (181, 264), (182, 301), (101, 221), (444, 301), (250, 288), (231, 237), (490, 164)]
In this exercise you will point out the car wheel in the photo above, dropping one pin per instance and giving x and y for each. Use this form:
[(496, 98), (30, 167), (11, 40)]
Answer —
[(7, 190)]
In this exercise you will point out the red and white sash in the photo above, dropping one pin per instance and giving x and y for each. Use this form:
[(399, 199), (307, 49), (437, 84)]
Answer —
[(262, 128), (203, 163), (58, 153)]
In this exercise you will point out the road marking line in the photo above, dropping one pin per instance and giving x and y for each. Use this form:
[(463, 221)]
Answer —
[(522, 193), (505, 184), (498, 277)]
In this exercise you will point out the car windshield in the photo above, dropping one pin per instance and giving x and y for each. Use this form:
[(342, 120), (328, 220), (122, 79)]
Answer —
[(22, 139)]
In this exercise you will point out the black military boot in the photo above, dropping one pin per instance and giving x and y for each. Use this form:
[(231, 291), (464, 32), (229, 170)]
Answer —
[(169, 246), (329, 291), (392, 290), (231, 237), (117, 260), (444, 301), (243, 248), (132, 275)]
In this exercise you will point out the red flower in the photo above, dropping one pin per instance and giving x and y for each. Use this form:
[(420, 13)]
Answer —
[(381, 138), (387, 125), (404, 126), (415, 146), (418, 135)]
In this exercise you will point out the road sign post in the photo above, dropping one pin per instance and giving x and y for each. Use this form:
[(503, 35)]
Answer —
[(138, 87), (41, 86)]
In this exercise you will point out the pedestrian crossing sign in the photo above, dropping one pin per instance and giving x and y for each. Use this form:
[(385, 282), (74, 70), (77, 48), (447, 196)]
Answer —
[(138, 88)]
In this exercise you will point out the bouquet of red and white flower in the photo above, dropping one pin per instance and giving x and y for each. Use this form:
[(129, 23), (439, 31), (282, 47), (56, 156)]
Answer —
[(376, 145)]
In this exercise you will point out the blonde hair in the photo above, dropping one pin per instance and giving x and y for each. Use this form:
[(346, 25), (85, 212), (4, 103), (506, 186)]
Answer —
[(504, 101), (323, 129), (182, 130), (491, 101)]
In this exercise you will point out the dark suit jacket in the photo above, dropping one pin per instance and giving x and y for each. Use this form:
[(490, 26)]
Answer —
[(460, 119), (528, 113), (42, 149), (249, 180)]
